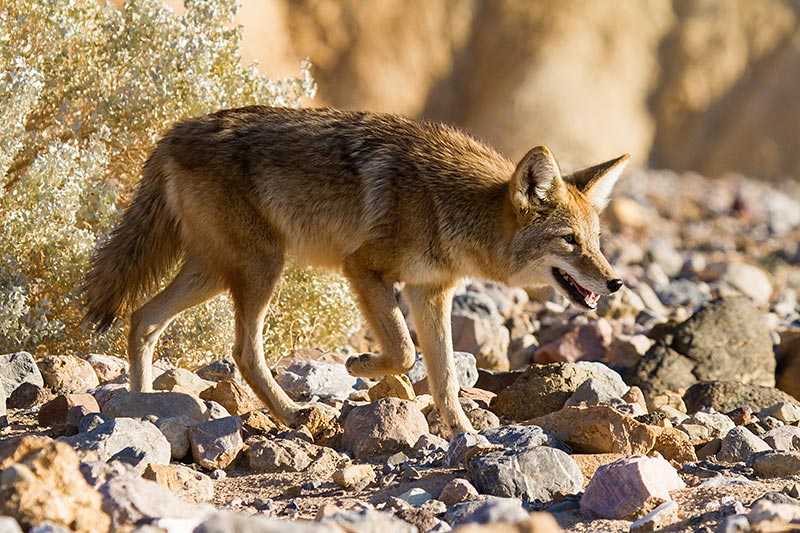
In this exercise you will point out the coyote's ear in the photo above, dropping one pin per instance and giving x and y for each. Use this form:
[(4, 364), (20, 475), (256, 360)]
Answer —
[(597, 181), (535, 180)]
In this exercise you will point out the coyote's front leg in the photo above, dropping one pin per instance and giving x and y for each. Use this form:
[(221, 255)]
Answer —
[(430, 308)]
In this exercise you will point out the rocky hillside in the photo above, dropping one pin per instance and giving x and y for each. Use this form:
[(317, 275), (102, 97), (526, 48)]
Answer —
[(673, 407), (705, 85)]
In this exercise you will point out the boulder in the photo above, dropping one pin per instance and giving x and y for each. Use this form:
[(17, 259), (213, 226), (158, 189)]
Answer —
[(216, 443), (289, 455), (220, 370), (304, 380), (705, 426), (383, 428), (67, 409), (44, 484), (181, 380), (599, 429), (588, 342), (137, 442), (543, 389), (354, 477), (488, 339), (18, 368), (629, 488), (176, 430), (784, 438), (107, 367), (739, 444), (726, 396), (675, 446), (237, 399), (367, 520), (27, 395), (187, 483), (486, 510), (533, 474), (775, 463), (67, 374), (518, 437), (466, 372), (727, 340), (456, 491), (747, 279), (158, 404)]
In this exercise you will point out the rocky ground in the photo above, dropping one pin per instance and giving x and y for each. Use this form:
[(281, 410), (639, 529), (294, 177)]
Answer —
[(672, 407)]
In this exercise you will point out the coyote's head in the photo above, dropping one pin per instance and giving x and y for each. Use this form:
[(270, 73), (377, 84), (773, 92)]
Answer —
[(557, 237)]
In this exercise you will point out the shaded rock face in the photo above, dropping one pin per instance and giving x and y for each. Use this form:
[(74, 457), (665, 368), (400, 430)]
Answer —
[(543, 389), (18, 368), (383, 428), (727, 340), (725, 396)]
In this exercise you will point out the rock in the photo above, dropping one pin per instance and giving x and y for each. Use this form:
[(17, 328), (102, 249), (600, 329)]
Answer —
[(775, 463), (354, 477), (518, 437), (289, 455), (728, 395), (739, 444), (58, 410), (258, 423), (416, 496), (393, 386), (727, 340), (8, 524), (487, 339), (463, 445), (26, 396), (13, 450), (543, 389), (235, 398), (215, 444), (216, 411), (430, 444), (189, 484), (784, 438), (483, 398), (629, 488), (466, 372), (598, 429), (383, 427), (655, 520), (107, 367), (67, 374), (595, 392), (747, 279), (787, 412), (176, 430), (131, 500), (481, 418), (181, 380), (705, 426), (220, 370), (588, 342), (158, 404), (534, 474), (133, 441), (456, 491), (366, 520), (590, 462), (675, 446), (104, 393), (486, 510), (18, 368), (684, 293), (304, 380), (44, 483)]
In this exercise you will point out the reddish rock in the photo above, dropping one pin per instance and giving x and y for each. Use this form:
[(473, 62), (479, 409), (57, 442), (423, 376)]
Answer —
[(630, 488), (57, 411), (235, 398), (584, 343)]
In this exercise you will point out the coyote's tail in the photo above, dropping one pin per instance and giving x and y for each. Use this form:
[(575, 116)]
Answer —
[(140, 250)]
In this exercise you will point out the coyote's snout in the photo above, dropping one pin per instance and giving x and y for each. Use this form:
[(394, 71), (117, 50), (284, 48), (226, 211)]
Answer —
[(381, 198)]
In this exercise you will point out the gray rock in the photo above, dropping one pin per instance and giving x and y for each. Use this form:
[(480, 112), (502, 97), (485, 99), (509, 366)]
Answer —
[(91, 422), (684, 293), (383, 427), (215, 410), (739, 444), (176, 430), (543, 389), (124, 438), (228, 522), (704, 426), (784, 438), (107, 367), (158, 404), (596, 392), (775, 463), (517, 437), (130, 500), (18, 368), (466, 369), (747, 279), (303, 380), (3, 415), (727, 340), (534, 474), (787, 412), (416, 496), (220, 370), (458, 490), (27, 395), (48, 527), (9, 525), (726, 396), (216, 443), (460, 446), (287, 455), (106, 391), (367, 521), (487, 510), (429, 444)]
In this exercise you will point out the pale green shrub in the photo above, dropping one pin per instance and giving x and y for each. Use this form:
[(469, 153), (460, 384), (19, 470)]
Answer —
[(85, 90)]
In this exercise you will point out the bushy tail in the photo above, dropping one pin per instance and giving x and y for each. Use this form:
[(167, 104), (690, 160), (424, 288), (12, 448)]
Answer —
[(140, 250)]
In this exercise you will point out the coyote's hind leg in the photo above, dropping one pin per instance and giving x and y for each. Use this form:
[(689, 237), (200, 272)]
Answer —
[(379, 306), (192, 286)]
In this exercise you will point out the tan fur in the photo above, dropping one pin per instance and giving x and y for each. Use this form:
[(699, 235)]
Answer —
[(378, 197)]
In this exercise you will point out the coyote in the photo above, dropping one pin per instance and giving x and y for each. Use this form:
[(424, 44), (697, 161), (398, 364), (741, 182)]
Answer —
[(378, 197)]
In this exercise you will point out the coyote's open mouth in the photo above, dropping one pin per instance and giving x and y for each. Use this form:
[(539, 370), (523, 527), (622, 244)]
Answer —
[(577, 293)]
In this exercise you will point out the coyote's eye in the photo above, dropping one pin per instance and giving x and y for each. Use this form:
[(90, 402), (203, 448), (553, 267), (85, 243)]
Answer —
[(569, 239)]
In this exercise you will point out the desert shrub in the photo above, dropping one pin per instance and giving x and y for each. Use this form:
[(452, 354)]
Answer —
[(85, 90)]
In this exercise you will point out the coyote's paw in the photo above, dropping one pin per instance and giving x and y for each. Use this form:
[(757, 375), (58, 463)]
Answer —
[(320, 420)]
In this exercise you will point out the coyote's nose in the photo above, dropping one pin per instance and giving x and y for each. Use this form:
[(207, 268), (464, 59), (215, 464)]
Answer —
[(614, 284)]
